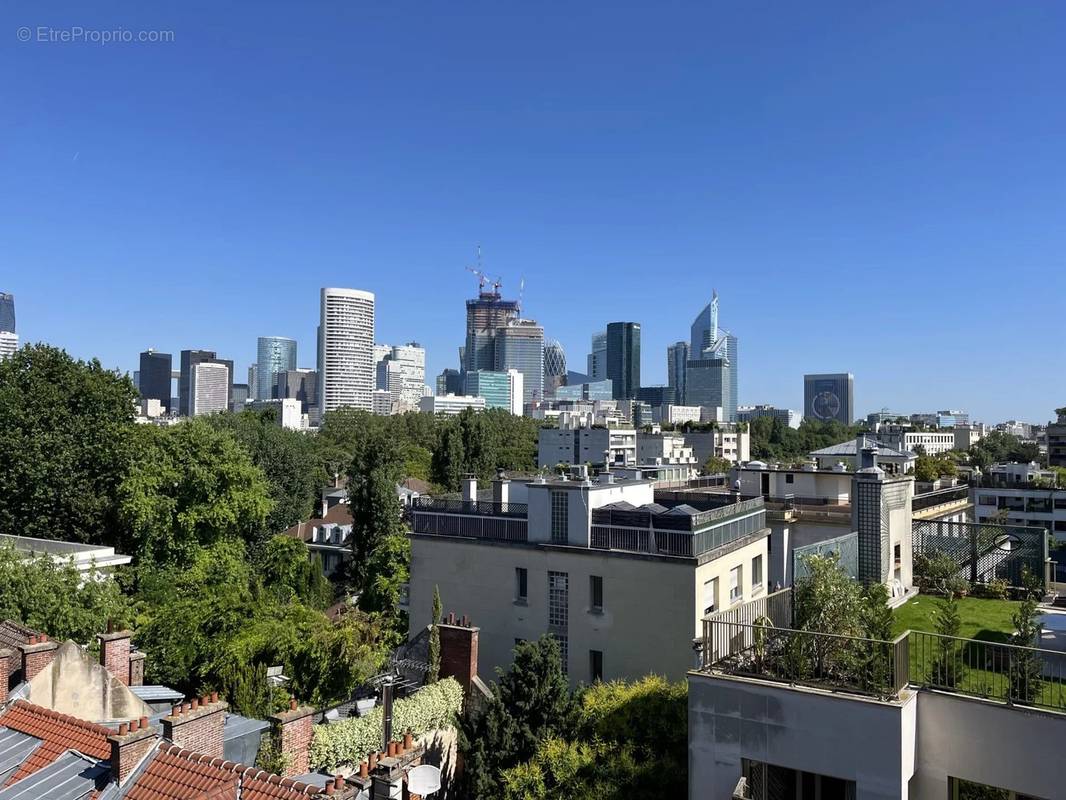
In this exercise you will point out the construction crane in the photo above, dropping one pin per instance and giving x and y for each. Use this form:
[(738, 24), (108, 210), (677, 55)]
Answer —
[(482, 278)]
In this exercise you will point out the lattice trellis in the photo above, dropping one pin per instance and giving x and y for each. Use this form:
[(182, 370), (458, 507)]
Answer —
[(984, 551)]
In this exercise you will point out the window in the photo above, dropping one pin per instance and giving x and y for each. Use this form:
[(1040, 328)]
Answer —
[(896, 556), (735, 584), (710, 596), (521, 584), (1060, 502), (595, 593), (559, 516), (986, 500), (756, 573), (1060, 525), (595, 665), (790, 478), (558, 599)]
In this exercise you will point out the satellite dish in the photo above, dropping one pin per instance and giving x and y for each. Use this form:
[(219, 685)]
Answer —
[(423, 780)]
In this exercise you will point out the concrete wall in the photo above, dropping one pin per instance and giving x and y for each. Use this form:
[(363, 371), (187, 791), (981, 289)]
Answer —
[(865, 741), (74, 683), (823, 485), (785, 537), (646, 625), (986, 742)]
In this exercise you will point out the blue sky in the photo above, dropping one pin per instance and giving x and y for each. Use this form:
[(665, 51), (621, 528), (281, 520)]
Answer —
[(879, 188)]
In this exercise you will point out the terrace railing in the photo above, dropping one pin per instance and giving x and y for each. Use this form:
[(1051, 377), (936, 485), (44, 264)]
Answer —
[(469, 507), (1013, 674), (940, 497)]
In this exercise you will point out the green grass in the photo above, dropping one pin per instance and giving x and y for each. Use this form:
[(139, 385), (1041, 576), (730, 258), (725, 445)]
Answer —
[(987, 620)]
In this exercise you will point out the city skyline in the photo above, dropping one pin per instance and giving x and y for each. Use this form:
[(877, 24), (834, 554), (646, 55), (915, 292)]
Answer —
[(794, 161)]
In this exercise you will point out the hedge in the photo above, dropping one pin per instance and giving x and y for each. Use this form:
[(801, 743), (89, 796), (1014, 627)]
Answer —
[(352, 740)]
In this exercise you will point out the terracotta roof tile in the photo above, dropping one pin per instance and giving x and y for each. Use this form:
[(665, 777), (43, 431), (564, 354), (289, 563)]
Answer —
[(177, 774), (57, 732)]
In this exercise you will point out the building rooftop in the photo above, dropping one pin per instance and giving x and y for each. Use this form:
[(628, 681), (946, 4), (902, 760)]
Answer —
[(850, 448), (56, 733)]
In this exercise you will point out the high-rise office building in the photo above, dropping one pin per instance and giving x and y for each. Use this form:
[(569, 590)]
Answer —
[(485, 316), (623, 359), (273, 354), (520, 346), (408, 364), (299, 384), (829, 396), (188, 360), (554, 367), (677, 356), (707, 383), (7, 312), (708, 340), (346, 338), (500, 389), (209, 388), (154, 378), (450, 381), (597, 358), (9, 340), (242, 393)]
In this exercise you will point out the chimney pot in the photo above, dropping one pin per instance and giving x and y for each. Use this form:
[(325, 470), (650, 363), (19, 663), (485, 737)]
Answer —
[(408, 740), (144, 722), (33, 639), (123, 729), (195, 703), (338, 781), (391, 749), (214, 697), (373, 761), (110, 626), (466, 621), (292, 704), (205, 699), (44, 638), (134, 725), (186, 707), (364, 770), (329, 788), (175, 710)]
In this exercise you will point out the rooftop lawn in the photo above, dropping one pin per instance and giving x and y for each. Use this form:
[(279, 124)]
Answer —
[(988, 620)]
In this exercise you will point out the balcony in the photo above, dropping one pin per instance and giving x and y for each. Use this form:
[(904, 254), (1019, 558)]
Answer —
[(468, 507), (502, 522), (954, 494)]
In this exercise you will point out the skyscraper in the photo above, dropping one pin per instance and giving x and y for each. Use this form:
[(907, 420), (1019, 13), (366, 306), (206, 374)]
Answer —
[(346, 339), (273, 354), (209, 388), (189, 359), (299, 384), (450, 381), (829, 396), (9, 340), (707, 383), (409, 364), (7, 313), (155, 377), (708, 340), (677, 356), (520, 346), (485, 316), (597, 358), (623, 359), (554, 367)]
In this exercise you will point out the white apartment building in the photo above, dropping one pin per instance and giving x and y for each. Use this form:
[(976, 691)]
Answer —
[(726, 442), (966, 436), (9, 343), (620, 581), (1023, 494), (346, 349), (676, 415), (405, 371), (208, 388), (665, 448), (576, 441), (933, 442), (450, 404), (515, 390), (382, 402)]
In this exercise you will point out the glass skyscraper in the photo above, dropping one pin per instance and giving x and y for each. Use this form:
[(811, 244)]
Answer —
[(274, 354), (154, 381), (676, 361), (707, 340), (623, 359), (829, 396), (495, 387), (485, 317), (520, 346), (7, 312), (707, 383)]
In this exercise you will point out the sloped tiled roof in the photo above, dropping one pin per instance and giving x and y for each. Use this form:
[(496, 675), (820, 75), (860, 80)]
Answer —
[(57, 732), (340, 514), (12, 633), (177, 774)]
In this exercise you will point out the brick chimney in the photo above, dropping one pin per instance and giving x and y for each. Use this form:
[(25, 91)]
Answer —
[(8, 659), (292, 731), (197, 725), (136, 668), (458, 651), (37, 654), (129, 746), (115, 653)]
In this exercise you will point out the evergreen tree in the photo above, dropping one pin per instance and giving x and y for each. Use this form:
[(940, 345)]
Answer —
[(434, 638), (530, 704), (877, 626), (374, 471), (947, 666), (1025, 665)]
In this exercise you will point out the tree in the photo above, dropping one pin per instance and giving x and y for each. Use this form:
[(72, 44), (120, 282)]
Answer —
[(530, 704), (715, 466), (55, 597), (434, 638), (826, 600), (1026, 666), (372, 477), (877, 623), (64, 445), (947, 669), (931, 468), (290, 574), (289, 460), (190, 485)]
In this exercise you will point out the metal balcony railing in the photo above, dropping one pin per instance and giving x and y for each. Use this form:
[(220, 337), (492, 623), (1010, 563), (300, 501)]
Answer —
[(469, 507)]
